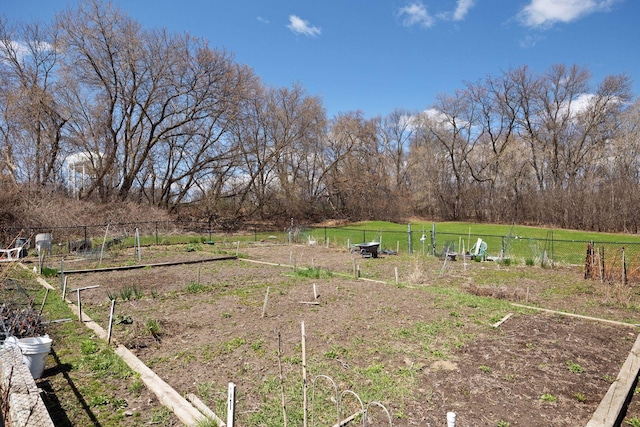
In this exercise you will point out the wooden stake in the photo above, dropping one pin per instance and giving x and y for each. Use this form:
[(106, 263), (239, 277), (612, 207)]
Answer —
[(526, 300), (64, 287), (79, 308), (238, 248), (313, 264), (46, 294), (305, 419), (358, 271), (397, 279), (355, 271), (315, 292), (113, 306), (266, 300), (282, 397)]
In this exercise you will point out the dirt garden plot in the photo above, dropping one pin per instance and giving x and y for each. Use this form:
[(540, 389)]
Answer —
[(422, 347)]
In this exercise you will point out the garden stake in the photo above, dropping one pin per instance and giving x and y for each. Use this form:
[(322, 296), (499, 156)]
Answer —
[(266, 300), (396, 269), (451, 419), (113, 305), (79, 308), (305, 421), (104, 240), (355, 271), (64, 288), (238, 248), (315, 292), (46, 294), (282, 397), (231, 404)]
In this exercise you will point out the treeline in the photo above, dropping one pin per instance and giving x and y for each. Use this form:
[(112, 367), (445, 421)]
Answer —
[(164, 119)]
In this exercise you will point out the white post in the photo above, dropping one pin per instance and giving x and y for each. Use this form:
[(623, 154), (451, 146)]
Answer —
[(138, 244), (113, 304), (451, 419), (305, 421), (397, 281), (231, 404)]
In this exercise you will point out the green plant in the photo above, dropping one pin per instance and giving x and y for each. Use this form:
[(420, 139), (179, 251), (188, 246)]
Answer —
[(580, 397), (530, 262), (502, 423), (574, 368), (126, 293), (633, 422), (196, 288), (153, 327), (546, 397), (49, 272), (485, 369), (136, 386), (225, 315), (88, 347)]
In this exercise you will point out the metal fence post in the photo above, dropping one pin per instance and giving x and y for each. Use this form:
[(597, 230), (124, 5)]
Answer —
[(409, 248)]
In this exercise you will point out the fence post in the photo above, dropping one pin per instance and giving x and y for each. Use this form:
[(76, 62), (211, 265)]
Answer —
[(409, 249), (502, 254), (325, 235), (156, 233), (85, 234), (433, 238)]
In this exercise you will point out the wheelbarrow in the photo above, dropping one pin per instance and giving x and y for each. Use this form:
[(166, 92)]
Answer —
[(367, 250)]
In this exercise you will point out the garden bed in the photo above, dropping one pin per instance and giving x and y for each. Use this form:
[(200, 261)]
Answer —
[(421, 348)]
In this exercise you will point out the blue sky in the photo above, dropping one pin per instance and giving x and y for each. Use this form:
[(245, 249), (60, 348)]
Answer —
[(375, 55)]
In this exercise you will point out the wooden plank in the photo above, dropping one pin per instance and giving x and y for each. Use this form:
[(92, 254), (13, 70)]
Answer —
[(609, 411), (166, 395)]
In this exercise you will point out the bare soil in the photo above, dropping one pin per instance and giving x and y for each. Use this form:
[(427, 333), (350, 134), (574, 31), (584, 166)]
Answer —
[(421, 348)]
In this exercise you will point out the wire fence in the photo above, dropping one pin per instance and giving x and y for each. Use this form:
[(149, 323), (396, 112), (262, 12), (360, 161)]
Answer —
[(616, 260)]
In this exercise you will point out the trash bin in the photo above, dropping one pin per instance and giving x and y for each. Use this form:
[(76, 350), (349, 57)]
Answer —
[(22, 242)]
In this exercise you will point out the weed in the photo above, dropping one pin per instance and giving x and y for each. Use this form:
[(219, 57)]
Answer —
[(509, 377), (196, 288), (485, 369), (530, 262), (546, 397), (88, 347), (232, 344), (580, 397), (137, 293), (506, 262), (126, 293), (226, 315), (608, 378), (136, 386), (153, 327), (574, 368), (206, 422), (49, 272), (161, 416), (502, 423), (313, 273), (633, 422)]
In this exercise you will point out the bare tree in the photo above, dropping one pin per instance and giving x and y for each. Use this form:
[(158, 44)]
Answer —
[(33, 119), (137, 89)]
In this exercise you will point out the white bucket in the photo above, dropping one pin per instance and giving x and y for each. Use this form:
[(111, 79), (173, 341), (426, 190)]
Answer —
[(34, 352)]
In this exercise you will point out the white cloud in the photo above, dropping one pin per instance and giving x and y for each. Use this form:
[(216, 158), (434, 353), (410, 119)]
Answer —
[(416, 14), (300, 26), (263, 20), (462, 9), (544, 13)]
